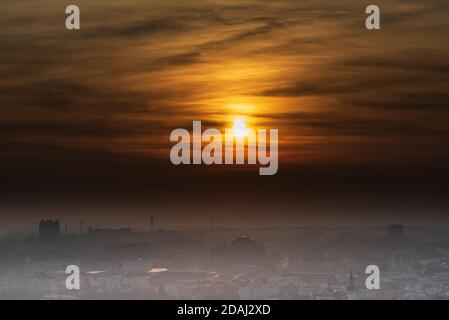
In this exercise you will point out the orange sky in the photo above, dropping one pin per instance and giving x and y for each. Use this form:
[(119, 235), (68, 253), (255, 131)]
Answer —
[(339, 94), (309, 68)]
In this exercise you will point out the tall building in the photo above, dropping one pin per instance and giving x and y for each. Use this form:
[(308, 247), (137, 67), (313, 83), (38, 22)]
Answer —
[(49, 231)]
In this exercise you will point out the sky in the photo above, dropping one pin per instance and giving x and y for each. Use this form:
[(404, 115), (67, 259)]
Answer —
[(363, 116)]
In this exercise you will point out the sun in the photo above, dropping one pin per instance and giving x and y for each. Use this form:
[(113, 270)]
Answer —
[(239, 128)]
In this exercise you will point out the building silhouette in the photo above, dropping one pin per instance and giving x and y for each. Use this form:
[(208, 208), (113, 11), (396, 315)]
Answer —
[(49, 231)]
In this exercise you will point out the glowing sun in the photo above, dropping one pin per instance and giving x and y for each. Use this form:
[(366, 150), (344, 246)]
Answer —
[(239, 128)]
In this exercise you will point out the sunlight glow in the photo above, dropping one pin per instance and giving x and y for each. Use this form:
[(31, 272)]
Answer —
[(239, 128)]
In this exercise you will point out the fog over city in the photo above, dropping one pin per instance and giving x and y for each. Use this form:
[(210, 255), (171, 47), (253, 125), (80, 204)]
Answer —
[(226, 263)]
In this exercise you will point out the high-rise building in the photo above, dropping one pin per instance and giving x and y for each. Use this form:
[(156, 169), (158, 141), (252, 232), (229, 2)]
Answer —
[(49, 231)]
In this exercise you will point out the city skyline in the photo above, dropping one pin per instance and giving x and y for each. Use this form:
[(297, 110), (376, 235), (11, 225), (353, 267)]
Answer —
[(327, 263)]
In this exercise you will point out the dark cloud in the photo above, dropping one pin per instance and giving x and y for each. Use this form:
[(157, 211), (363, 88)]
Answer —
[(142, 28), (410, 62), (425, 102)]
